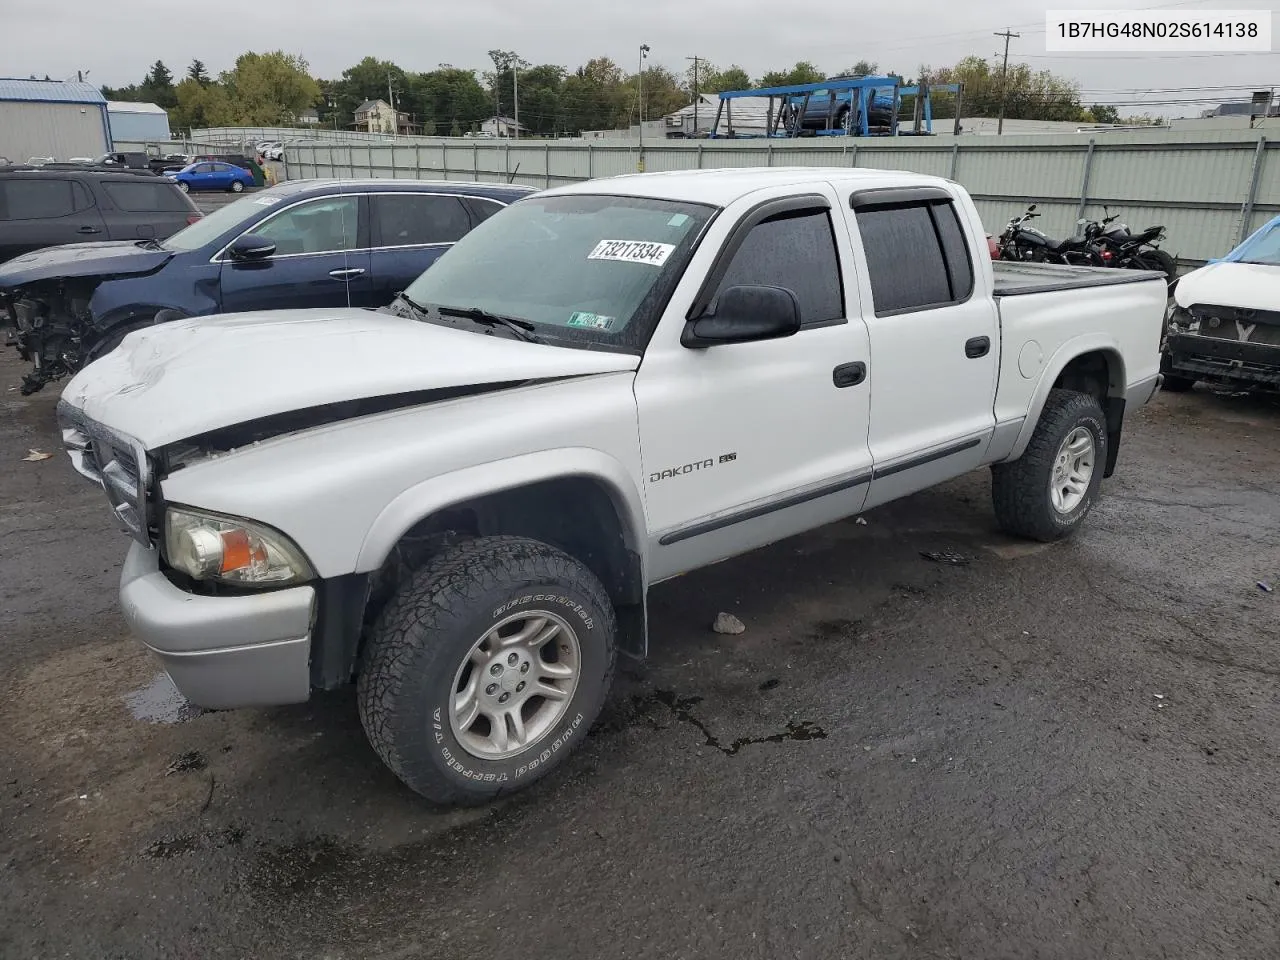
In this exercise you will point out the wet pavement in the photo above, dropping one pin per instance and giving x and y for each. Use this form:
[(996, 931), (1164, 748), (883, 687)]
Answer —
[(1061, 751)]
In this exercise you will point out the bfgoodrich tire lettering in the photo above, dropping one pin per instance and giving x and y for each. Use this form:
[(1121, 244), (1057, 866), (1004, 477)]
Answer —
[(428, 631), (1021, 490)]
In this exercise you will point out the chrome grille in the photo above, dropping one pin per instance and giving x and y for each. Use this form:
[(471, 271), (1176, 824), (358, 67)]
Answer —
[(115, 462)]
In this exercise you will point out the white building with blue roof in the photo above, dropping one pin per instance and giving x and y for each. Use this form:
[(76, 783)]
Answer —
[(52, 118)]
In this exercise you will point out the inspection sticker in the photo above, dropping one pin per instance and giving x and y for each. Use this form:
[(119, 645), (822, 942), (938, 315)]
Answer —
[(593, 321), (632, 251)]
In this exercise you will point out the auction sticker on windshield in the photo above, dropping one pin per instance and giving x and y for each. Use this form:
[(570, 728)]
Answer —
[(632, 251)]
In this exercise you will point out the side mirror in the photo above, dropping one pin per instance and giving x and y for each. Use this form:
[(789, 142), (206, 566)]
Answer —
[(744, 313), (251, 247), (1031, 209)]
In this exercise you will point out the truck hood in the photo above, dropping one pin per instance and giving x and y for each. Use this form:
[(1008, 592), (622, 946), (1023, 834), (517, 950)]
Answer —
[(1248, 286), (112, 258), (189, 377)]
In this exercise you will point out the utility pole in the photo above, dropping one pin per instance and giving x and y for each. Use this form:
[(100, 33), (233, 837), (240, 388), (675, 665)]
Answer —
[(644, 52), (696, 61), (1004, 75), (516, 64)]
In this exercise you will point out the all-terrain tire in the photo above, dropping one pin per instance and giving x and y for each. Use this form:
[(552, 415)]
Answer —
[(425, 635), (1021, 489)]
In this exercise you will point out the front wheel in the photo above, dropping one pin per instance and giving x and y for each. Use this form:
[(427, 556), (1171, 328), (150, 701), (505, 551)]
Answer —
[(182, 185), (1047, 492), (487, 668), (237, 186)]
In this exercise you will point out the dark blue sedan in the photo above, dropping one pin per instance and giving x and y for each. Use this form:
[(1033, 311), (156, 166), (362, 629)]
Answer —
[(213, 175), (305, 243)]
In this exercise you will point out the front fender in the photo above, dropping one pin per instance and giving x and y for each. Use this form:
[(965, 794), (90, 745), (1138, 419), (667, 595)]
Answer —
[(194, 293), (1068, 351), (447, 490)]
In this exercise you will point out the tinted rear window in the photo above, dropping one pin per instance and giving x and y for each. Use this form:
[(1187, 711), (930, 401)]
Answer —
[(407, 219), (42, 199), (146, 196)]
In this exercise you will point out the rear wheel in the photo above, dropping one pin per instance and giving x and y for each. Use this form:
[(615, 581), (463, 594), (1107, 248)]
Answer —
[(487, 668), (1047, 492), (1159, 260), (237, 186)]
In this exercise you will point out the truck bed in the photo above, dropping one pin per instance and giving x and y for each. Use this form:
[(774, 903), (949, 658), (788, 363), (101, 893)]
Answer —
[(1016, 279)]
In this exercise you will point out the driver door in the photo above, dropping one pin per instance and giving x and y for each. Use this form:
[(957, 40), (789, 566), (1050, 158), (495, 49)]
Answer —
[(746, 443), (321, 259)]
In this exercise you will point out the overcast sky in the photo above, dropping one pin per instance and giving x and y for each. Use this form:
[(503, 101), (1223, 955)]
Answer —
[(116, 43)]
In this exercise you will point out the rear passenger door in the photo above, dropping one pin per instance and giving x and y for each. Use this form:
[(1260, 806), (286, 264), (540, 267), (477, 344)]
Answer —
[(934, 342), (43, 211), (321, 259), (410, 231), (144, 208)]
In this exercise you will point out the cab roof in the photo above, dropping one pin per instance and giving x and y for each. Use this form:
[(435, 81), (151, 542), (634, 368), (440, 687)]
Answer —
[(724, 186), (365, 185)]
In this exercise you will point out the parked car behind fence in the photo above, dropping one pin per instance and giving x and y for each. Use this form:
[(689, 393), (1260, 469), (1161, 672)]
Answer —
[(42, 207), (305, 243), (214, 175)]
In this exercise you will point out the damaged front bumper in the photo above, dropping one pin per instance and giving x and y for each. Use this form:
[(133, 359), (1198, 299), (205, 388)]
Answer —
[(1199, 357), (222, 652)]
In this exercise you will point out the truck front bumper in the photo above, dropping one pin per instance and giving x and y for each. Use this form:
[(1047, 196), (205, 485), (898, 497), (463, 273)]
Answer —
[(1213, 358), (248, 650)]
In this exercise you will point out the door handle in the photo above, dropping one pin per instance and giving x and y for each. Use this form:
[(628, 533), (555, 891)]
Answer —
[(88, 229), (849, 374), (346, 274), (976, 347)]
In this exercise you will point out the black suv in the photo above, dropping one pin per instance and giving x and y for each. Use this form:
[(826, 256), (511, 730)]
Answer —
[(45, 208)]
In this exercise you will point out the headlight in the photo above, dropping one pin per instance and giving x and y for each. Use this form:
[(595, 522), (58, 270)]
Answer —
[(206, 546), (1181, 320)]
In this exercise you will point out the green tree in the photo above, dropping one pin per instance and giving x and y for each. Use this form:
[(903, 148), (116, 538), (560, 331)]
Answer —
[(711, 79), (802, 72), (456, 129), (1104, 113), (453, 96), (863, 68), (157, 86), (270, 88), (369, 80), (201, 105), (1029, 95), (198, 72), (663, 93)]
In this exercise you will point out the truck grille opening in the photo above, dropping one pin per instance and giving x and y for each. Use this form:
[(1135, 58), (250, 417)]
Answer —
[(115, 462)]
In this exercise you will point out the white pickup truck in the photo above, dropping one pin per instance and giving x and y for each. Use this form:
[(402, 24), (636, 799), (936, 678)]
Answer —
[(460, 501)]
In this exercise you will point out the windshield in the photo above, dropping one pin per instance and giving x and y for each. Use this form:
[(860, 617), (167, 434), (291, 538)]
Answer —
[(1264, 249), (587, 270), (209, 228)]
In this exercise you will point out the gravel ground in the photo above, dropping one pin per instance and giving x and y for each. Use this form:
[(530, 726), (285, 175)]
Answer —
[(1064, 751)]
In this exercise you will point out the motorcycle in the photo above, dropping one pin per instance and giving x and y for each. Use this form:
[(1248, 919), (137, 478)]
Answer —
[(1122, 248), (1022, 242)]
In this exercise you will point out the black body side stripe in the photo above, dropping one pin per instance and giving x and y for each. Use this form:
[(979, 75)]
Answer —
[(794, 500)]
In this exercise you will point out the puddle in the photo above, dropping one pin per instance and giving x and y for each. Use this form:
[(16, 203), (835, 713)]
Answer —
[(160, 702)]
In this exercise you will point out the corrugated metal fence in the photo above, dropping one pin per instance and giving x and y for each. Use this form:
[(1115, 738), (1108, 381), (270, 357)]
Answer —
[(1209, 189)]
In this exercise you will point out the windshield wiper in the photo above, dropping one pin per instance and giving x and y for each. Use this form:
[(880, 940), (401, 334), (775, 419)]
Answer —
[(414, 307), (521, 328)]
